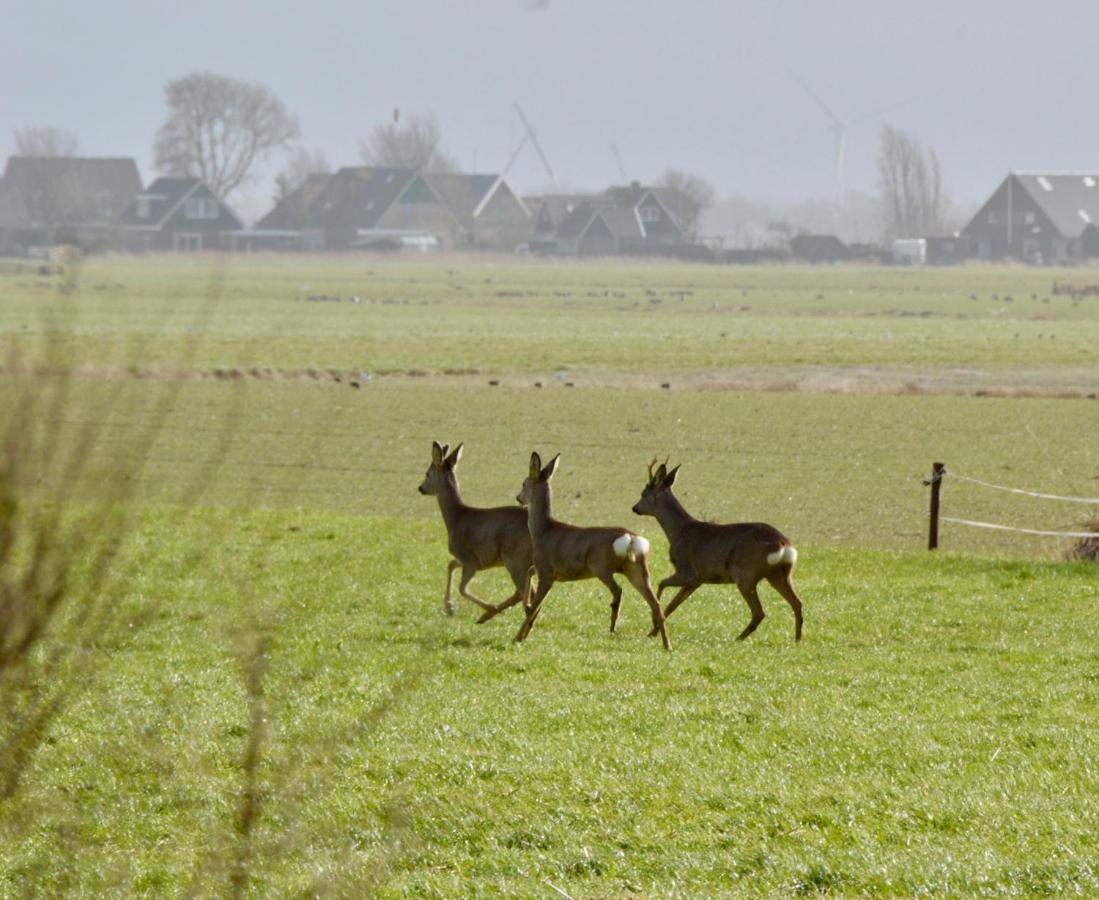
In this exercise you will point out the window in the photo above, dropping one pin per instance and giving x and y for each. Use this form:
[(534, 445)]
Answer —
[(200, 208), (186, 241), (143, 206), (104, 204), (650, 213)]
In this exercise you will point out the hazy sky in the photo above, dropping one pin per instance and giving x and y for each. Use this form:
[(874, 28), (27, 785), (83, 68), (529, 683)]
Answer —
[(705, 86)]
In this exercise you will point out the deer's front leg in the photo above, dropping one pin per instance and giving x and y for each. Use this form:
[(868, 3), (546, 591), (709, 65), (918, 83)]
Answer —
[(676, 579), (684, 593), (467, 576), (545, 582), (448, 604)]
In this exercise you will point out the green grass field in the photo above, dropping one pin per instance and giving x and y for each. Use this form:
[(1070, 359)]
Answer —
[(933, 734)]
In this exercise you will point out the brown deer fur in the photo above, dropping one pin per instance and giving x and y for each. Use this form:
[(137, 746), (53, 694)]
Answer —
[(478, 538), (565, 552), (704, 553)]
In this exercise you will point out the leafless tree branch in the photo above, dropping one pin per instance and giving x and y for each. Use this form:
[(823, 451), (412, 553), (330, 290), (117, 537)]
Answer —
[(413, 144), (218, 128)]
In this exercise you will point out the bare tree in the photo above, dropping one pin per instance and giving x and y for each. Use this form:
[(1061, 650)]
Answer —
[(45, 141), (914, 201), (51, 195), (301, 164), (411, 145), (218, 128), (688, 197)]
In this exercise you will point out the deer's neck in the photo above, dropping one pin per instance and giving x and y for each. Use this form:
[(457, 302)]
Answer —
[(450, 501), (673, 518), (540, 510)]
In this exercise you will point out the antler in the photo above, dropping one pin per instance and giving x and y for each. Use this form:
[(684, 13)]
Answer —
[(653, 463)]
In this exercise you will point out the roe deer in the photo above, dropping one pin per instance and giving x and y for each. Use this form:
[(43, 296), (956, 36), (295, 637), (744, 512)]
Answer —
[(478, 538), (567, 553), (704, 553)]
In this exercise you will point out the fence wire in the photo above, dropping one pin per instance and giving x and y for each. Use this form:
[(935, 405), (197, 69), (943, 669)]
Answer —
[(1090, 501)]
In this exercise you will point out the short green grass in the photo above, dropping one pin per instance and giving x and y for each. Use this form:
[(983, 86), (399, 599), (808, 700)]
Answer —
[(933, 734), (538, 317)]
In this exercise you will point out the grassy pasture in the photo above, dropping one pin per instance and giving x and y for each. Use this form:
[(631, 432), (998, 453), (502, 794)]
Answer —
[(934, 733), (541, 317)]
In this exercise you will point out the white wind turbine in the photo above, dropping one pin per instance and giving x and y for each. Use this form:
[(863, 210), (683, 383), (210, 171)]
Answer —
[(839, 127)]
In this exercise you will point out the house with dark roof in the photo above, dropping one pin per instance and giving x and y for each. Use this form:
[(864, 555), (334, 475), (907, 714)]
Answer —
[(176, 213), (489, 213), (67, 199), (1039, 217), (547, 214), (14, 221), (630, 219), (366, 208)]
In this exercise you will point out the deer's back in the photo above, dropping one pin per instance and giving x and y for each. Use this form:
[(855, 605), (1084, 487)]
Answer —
[(720, 553), (574, 552)]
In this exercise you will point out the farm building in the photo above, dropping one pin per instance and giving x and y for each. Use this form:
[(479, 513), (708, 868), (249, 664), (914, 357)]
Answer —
[(819, 248), (178, 214), (65, 199), (490, 214), (14, 221), (383, 208), (1036, 217), (630, 220)]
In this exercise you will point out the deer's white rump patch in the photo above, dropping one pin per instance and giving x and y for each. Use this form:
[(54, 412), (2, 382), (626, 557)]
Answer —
[(631, 547), (783, 556)]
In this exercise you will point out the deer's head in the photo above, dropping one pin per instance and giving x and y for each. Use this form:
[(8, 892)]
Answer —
[(441, 466), (538, 475), (659, 485)]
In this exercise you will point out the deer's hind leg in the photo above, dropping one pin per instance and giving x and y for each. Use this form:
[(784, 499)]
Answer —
[(782, 583), (638, 574), (616, 597), (751, 597)]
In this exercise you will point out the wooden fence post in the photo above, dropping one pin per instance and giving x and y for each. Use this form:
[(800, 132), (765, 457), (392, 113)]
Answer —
[(936, 482)]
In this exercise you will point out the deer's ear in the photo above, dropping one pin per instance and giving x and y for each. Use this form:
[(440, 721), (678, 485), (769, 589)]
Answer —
[(661, 474), (551, 467), (451, 461), (436, 453), (669, 479), (535, 466)]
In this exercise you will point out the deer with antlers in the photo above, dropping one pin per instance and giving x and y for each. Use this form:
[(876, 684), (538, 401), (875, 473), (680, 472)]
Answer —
[(478, 538), (705, 553), (565, 552)]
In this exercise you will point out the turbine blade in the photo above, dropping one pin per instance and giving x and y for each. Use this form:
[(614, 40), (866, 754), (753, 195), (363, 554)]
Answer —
[(837, 122)]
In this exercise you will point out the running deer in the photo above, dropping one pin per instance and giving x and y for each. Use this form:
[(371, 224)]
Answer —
[(568, 553), (704, 553), (478, 538)]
